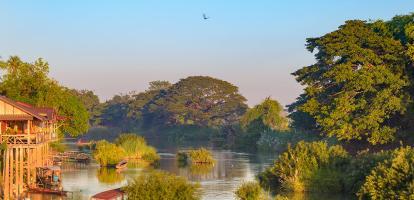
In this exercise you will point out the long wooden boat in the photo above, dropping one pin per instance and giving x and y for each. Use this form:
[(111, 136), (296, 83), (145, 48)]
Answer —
[(48, 191), (121, 164)]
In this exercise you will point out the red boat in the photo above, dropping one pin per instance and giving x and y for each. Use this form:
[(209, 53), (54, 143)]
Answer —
[(48, 191)]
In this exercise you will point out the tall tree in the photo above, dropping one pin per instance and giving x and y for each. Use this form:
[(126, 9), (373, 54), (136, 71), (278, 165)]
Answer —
[(358, 83), (199, 100), (268, 114), (91, 102), (30, 83)]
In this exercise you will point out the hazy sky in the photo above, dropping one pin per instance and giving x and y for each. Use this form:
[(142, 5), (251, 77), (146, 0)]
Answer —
[(114, 47)]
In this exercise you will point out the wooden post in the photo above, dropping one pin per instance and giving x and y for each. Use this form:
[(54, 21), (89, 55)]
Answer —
[(6, 176)]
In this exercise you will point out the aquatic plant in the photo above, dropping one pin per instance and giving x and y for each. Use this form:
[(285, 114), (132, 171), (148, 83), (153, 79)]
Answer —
[(250, 191), (391, 179), (137, 148), (299, 168), (108, 154), (161, 185), (201, 156)]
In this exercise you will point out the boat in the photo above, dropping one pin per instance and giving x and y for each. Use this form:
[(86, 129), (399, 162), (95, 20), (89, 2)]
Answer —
[(82, 157), (48, 191), (110, 195), (48, 180), (121, 164)]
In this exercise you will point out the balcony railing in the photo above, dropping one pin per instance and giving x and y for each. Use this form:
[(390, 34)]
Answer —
[(33, 138)]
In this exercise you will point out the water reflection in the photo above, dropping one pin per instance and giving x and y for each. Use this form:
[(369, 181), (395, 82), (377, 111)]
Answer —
[(109, 175)]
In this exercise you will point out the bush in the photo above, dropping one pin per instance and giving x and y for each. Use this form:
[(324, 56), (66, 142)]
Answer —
[(201, 156), (161, 185), (391, 179), (250, 191), (304, 166), (136, 147), (108, 154), (277, 141)]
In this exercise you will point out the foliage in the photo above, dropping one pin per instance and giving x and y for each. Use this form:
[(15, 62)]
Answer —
[(159, 85), (58, 146), (250, 191), (136, 147), (199, 100), (277, 141), (91, 103), (201, 156), (161, 185), (359, 82), (182, 157), (108, 154), (269, 113), (297, 168), (29, 82), (391, 179)]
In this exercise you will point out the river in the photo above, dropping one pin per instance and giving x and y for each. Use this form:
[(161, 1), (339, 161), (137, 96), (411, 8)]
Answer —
[(231, 169)]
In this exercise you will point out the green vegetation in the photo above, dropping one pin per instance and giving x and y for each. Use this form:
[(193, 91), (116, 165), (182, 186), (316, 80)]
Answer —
[(126, 146), (391, 179), (250, 191), (136, 147), (359, 88), (108, 154), (301, 168), (201, 156), (29, 82), (161, 185)]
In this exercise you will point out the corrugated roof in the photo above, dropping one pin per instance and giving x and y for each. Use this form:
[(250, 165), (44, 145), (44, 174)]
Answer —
[(41, 113), (109, 194)]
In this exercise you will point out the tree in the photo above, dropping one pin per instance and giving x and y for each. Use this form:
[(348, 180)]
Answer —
[(159, 85), (269, 114), (358, 83), (199, 100), (30, 83), (91, 102)]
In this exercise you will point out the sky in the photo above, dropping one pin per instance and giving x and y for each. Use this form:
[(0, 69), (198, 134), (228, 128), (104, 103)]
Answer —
[(113, 47)]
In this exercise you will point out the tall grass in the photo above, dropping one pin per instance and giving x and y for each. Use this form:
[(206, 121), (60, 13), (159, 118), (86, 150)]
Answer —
[(201, 156), (137, 148), (108, 154), (251, 191)]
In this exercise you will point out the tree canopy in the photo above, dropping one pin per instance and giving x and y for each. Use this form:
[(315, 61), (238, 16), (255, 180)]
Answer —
[(269, 114), (199, 100), (29, 82), (361, 79)]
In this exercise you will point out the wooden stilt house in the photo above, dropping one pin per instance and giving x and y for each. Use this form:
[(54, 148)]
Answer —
[(27, 131)]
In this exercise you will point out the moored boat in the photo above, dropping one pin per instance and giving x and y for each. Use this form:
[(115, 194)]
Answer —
[(121, 164)]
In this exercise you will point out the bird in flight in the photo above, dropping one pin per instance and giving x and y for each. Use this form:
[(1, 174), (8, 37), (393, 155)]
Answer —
[(205, 17)]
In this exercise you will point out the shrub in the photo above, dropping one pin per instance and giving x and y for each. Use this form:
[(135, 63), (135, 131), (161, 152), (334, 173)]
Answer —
[(108, 154), (136, 147), (299, 168), (161, 185), (391, 179), (250, 191), (201, 156)]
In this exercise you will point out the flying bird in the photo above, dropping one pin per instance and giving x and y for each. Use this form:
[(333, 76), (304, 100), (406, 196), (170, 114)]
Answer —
[(205, 17)]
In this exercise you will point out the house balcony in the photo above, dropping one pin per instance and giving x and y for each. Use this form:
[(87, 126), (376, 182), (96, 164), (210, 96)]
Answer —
[(28, 139)]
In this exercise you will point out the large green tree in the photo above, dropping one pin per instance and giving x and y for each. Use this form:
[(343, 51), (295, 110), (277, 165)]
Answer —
[(91, 102), (199, 100), (29, 82), (360, 80), (266, 115)]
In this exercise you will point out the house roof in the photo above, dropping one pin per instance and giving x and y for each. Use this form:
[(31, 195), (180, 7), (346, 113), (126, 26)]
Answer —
[(41, 113), (109, 194)]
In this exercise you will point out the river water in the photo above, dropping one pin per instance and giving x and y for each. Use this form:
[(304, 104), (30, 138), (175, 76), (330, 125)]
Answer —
[(219, 182)]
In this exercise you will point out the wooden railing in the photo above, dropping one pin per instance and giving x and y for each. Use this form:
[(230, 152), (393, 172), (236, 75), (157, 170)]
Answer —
[(33, 138)]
